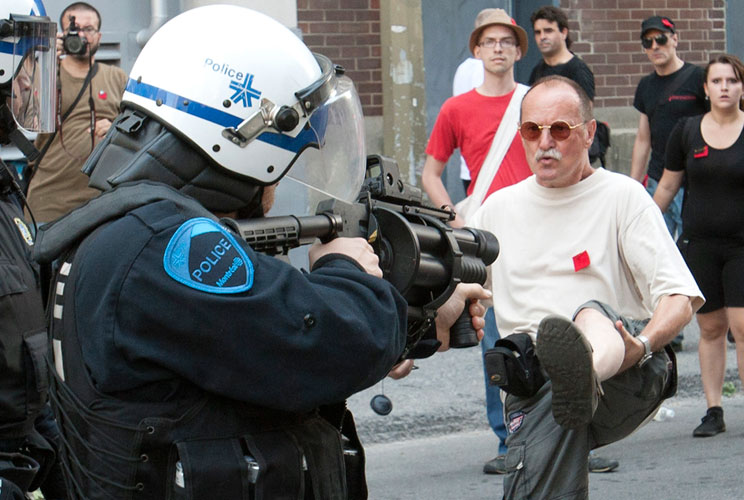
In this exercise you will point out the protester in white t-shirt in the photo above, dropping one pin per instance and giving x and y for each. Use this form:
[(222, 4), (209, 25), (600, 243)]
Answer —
[(590, 245)]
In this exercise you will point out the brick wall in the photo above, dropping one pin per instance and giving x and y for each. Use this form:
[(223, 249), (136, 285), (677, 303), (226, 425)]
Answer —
[(606, 36), (605, 33), (348, 32)]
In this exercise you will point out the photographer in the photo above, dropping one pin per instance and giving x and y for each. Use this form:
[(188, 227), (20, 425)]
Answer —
[(90, 94), (188, 365)]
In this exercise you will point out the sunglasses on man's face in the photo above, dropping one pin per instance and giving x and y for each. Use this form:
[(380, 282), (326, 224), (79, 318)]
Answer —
[(660, 40), (559, 130)]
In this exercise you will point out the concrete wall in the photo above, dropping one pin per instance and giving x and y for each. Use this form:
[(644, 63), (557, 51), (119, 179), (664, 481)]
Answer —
[(404, 103), (624, 125)]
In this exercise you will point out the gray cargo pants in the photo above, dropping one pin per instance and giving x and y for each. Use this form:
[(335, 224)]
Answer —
[(547, 462)]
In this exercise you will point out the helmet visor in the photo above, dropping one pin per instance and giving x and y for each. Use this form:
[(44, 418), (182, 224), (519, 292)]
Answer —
[(334, 166), (33, 98)]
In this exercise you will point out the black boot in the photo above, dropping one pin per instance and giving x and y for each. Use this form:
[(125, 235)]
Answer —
[(712, 423)]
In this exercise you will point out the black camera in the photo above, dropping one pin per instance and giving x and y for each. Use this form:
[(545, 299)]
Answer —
[(72, 42)]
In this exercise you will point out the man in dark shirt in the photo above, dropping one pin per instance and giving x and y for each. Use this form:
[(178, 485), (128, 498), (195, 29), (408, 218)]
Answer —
[(672, 91), (550, 25)]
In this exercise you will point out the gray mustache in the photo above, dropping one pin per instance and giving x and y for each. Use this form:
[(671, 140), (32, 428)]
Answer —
[(548, 153)]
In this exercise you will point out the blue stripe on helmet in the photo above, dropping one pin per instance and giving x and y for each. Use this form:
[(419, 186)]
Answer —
[(183, 104), (40, 8), (294, 144)]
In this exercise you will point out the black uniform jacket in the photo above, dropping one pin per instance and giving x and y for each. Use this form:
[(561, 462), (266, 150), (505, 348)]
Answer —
[(283, 338), (23, 376)]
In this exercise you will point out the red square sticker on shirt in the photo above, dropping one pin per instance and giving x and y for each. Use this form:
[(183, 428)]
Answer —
[(581, 261), (700, 153)]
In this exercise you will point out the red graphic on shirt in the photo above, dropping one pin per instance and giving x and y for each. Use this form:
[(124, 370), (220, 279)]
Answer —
[(102, 94), (682, 98), (581, 261), (700, 153)]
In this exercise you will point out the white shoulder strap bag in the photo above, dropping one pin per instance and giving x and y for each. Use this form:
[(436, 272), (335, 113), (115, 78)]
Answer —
[(502, 139)]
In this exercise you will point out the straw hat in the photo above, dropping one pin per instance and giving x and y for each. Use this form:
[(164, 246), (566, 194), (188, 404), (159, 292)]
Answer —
[(491, 17)]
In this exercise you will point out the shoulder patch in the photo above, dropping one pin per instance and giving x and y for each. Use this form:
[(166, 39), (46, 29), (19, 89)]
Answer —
[(203, 255), (25, 232)]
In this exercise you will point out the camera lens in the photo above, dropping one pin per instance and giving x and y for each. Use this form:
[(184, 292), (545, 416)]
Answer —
[(75, 44)]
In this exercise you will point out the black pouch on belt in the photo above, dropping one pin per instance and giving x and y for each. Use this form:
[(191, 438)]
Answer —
[(513, 365)]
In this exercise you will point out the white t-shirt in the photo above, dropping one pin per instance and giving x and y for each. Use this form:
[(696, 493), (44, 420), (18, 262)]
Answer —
[(603, 239), (468, 76)]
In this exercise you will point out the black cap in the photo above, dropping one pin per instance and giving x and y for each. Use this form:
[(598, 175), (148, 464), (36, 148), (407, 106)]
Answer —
[(661, 23)]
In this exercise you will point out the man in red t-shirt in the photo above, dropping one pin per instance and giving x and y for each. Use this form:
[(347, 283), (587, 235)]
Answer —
[(469, 121)]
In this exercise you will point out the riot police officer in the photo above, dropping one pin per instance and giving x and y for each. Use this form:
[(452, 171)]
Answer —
[(27, 75), (188, 365)]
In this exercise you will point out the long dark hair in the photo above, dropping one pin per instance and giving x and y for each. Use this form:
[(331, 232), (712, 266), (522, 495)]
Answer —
[(735, 64)]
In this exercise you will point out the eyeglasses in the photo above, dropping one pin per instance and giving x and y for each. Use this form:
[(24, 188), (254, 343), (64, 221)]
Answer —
[(504, 43), (88, 30), (559, 130), (660, 41)]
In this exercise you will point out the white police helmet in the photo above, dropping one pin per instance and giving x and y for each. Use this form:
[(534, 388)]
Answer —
[(28, 63), (252, 97)]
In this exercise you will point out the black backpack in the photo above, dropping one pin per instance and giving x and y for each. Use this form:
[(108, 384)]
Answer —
[(598, 149)]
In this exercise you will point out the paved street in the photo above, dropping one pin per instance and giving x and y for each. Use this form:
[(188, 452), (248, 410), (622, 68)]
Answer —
[(434, 443)]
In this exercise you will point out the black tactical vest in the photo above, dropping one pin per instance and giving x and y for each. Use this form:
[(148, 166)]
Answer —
[(177, 441)]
